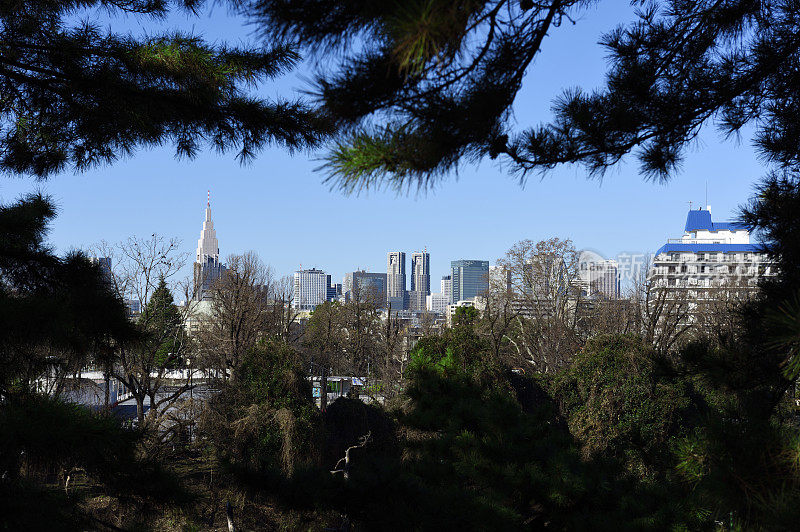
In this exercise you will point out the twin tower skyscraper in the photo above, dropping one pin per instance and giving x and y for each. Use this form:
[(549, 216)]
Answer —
[(396, 294)]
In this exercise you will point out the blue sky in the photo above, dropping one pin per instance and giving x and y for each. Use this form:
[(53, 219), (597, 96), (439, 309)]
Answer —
[(279, 207)]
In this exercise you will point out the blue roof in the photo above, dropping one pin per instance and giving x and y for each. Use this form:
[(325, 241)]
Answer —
[(709, 248), (700, 220)]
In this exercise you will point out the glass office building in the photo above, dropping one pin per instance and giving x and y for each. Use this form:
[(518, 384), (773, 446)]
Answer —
[(470, 278)]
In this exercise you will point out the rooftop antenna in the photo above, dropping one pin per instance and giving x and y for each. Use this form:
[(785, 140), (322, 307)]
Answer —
[(690, 205), (208, 203)]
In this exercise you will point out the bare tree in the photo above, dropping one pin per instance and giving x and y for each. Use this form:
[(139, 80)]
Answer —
[(541, 281), (716, 314), (282, 314), (663, 312), (137, 267), (608, 316), (241, 303), (324, 341), (499, 314), (360, 322), (391, 338)]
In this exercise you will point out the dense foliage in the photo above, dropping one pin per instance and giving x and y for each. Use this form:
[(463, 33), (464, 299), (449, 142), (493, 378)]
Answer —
[(264, 420), (420, 87), (621, 401), (495, 422), (56, 313), (76, 95)]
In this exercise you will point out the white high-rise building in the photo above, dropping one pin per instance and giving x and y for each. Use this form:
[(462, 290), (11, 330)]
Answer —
[(709, 257), (310, 289), (207, 244), (598, 277), (207, 268), (447, 287)]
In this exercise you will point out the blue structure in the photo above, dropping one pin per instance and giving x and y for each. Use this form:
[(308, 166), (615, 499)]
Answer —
[(470, 279)]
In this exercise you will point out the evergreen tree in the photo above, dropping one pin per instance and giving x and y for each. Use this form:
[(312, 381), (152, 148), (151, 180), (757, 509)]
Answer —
[(432, 83), (265, 421), (75, 95), (55, 312), (163, 323), (622, 401)]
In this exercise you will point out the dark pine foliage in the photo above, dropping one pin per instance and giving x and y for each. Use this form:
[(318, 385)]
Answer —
[(53, 310), (75, 95), (163, 327), (421, 86)]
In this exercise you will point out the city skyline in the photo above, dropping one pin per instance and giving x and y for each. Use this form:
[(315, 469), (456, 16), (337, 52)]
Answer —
[(480, 214), (208, 255)]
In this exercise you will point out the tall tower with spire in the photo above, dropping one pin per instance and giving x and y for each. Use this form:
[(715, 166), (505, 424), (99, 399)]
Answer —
[(207, 245), (207, 268)]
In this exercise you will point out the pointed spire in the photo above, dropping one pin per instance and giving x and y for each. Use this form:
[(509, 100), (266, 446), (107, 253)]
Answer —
[(207, 245)]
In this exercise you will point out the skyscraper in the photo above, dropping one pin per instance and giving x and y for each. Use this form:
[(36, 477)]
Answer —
[(421, 272), (207, 268), (470, 278), (310, 288), (104, 263), (598, 277), (420, 280), (396, 279), (365, 285), (447, 287)]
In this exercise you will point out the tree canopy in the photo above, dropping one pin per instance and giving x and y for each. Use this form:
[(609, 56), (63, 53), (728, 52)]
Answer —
[(76, 95), (419, 87)]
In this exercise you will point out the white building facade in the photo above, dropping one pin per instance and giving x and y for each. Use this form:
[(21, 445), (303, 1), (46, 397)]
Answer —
[(310, 289), (708, 257), (598, 277), (447, 287), (437, 303)]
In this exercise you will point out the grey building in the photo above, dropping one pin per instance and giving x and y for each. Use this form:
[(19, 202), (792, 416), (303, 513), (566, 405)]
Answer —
[(396, 279), (420, 281), (470, 278), (598, 277), (334, 291), (421, 272), (134, 307), (104, 263), (366, 284), (205, 275)]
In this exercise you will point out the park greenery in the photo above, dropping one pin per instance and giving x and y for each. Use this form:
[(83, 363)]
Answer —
[(609, 415)]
